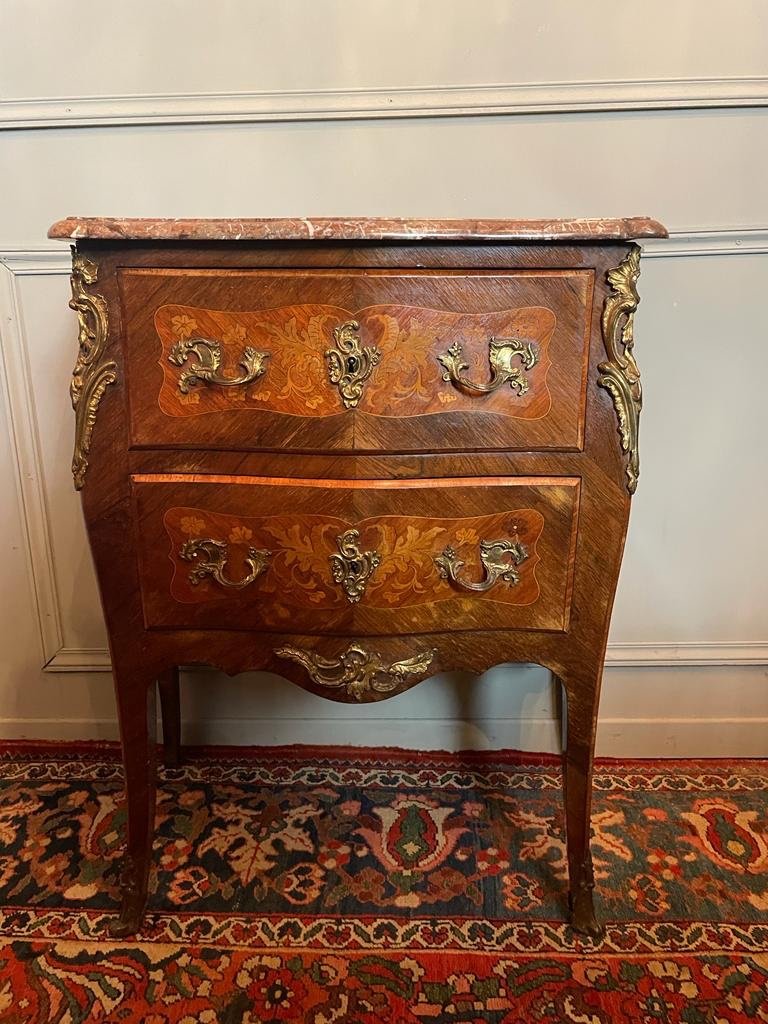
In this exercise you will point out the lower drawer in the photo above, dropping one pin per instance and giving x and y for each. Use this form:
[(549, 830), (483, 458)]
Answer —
[(355, 557)]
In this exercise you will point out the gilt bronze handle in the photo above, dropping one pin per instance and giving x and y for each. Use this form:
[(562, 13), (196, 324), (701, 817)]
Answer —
[(502, 352), (206, 369), (500, 559), (350, 364), (213, 555), (360, 672)]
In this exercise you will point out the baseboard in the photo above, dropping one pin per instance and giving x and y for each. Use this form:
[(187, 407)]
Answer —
[(649, 654), (682, 737), (617, 737)]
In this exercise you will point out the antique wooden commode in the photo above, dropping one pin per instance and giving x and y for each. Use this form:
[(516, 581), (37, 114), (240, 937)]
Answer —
[(355, 453)]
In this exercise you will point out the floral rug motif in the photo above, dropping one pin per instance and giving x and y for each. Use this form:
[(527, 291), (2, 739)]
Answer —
[(346, 886)]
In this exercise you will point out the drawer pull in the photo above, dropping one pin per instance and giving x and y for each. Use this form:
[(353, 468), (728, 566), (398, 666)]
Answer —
[(500, 559), (214, 553), (206, 370), (352, 568), (358, 671), (350, 364), (502, 352)]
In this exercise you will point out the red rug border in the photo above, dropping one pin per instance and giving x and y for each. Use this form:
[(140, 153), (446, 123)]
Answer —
[(109, 750)]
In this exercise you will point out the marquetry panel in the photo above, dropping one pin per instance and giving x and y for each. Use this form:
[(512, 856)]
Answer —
[(439, 361), (271, 554), (407, 381)]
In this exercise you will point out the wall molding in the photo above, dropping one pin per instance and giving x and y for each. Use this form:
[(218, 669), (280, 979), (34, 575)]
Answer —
[(383, 103), (29, 478), (743, 653), (79, 659), (46, 257), (708, 242)]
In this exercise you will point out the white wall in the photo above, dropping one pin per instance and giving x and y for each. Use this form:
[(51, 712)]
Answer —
[(424, 108)]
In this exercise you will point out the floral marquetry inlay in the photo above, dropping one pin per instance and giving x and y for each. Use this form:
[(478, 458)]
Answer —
[(385, 360), (324, 562)]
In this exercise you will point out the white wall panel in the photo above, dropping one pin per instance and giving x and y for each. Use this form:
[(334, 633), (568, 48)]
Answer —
[(191, 46), (20, 648), (691, 169), (50, 338), (697, 549)]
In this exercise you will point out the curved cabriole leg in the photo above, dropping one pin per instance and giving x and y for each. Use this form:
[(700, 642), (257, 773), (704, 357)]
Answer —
[(136, 704), (582, 692), (170, 713)]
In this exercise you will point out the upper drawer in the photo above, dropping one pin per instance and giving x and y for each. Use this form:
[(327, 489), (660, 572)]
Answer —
[(359, 360)]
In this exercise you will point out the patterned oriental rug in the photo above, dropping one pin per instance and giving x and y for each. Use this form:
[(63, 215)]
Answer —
[(353, 886)]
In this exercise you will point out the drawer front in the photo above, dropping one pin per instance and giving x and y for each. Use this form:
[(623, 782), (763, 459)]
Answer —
[(364, 557), (367, 361)]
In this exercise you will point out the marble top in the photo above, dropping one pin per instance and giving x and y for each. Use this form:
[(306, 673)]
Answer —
[(342, 229)]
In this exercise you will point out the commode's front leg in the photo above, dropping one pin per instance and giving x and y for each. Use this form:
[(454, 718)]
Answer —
[(582, 688)]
